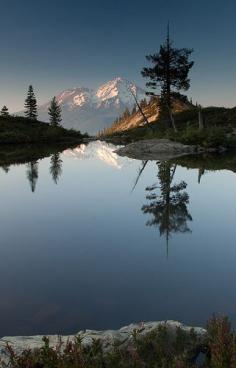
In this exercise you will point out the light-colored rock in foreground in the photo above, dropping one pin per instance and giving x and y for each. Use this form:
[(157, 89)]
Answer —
[(122, 337), (156, 149)]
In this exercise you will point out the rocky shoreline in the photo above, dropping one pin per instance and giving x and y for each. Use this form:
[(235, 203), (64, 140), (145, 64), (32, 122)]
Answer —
[(160, 149), (123, 337)]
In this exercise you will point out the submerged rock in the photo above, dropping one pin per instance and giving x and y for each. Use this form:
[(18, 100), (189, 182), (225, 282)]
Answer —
[(157, 149), (108, 338)]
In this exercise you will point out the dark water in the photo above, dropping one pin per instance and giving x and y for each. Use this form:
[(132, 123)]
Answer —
[(87, 242)]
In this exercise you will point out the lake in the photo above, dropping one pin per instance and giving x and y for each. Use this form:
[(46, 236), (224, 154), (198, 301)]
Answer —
[(93, 240)]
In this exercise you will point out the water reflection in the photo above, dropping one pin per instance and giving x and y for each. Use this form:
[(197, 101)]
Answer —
[(142, 168), (5, 168), (168, 206), (168, 201), (99, 150), (55, 170), (32, 174), (56, 167), (201, 172), (30, 156), (89, 235)]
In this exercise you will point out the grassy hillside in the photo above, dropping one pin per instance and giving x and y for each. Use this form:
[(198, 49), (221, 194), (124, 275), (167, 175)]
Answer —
[(219, 128), (151, 111), (23, 130)]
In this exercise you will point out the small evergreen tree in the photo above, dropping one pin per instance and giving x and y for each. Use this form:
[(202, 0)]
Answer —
[(134, 110), (153, 99), (54, 112), (31, 104), (143, 103), (4, 111), (126, 114)]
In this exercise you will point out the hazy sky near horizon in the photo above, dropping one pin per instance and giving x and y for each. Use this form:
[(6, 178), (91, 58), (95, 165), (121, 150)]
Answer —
[(56, 45)]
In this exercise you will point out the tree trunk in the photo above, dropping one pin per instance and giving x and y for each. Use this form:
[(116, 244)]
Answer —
[(172, 119), (139, 107), (168, 83)]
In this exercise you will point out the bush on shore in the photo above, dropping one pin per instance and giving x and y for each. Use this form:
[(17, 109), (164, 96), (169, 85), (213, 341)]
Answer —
[(155, 350)]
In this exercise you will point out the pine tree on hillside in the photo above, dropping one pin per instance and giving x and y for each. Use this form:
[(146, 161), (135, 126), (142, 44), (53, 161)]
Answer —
[(170, 71), (4, 111), (54, 112), (134, 110), (31, 104), (154, 99), (126, 114), (143, 103)]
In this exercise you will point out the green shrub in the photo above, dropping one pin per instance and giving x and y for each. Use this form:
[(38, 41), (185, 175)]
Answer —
[(208, 138), (221, 343)]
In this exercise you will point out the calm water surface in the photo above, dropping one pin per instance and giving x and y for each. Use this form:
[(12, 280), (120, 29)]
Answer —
[(93, 240)]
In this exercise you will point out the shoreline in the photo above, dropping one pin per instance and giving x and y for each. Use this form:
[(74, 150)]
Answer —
[(162, 150), (123, 337)]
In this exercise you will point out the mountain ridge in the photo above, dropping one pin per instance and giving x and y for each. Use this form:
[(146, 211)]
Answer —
[(91, 110)]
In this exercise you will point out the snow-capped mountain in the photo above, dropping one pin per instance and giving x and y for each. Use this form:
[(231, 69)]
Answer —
[(92, 110)]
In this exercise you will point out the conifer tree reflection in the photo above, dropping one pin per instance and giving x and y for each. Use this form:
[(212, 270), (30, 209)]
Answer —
[(32, 174), (201, 172), (168, 207), (5, 168), (140, 171), (56, 167)]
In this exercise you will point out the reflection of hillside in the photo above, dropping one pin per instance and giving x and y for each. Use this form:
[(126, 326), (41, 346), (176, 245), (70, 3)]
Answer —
[(98, 149), (23, 153), (209, 162)]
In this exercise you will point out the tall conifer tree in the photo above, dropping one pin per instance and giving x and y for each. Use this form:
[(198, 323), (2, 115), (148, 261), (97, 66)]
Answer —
[(170, 71), (54, 112), (31, 104), (4, 111)]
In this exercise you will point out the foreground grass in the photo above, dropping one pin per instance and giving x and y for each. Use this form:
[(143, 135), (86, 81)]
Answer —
[(158, 349), (23, 130)]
